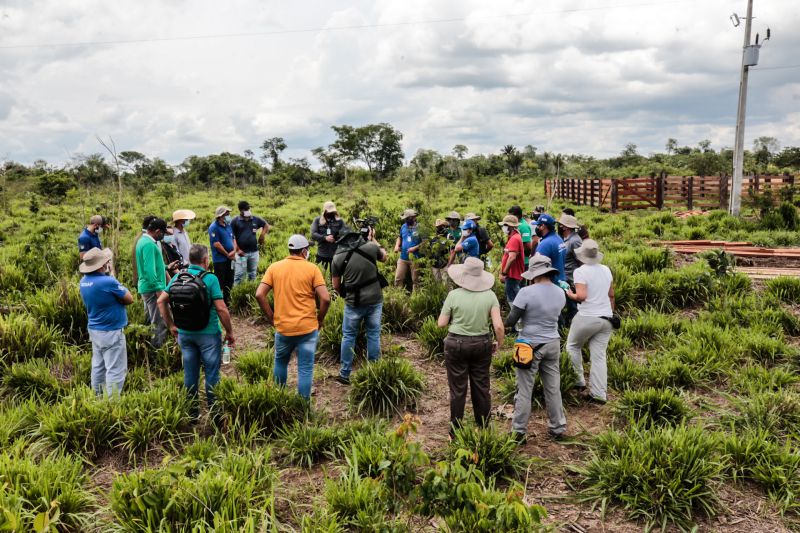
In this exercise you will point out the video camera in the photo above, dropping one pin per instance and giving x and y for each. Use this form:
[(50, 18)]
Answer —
[(366, 224)]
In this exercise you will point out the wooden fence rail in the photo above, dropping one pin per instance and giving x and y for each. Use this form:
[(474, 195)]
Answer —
[(690, 192)]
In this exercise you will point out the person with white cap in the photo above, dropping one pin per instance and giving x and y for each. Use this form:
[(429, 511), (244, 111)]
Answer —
[(180, 221), (568, 230), (470, 312), (594, 292), (220, 237), (408, 244), (245, 228), (513, 262), (90, 236), (538, 307), (298, 284), (105, 299), (325, 231)]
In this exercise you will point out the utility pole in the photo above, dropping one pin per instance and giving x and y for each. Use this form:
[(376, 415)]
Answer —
[(738, 149)]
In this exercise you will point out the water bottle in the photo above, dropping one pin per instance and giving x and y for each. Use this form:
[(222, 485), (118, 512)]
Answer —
[(226, 353)]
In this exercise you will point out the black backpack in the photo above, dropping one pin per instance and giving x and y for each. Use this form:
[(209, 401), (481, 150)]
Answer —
[(189, 302), (356, 289)]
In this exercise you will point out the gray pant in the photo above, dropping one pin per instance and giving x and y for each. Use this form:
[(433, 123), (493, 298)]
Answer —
[(546, 362), (597, 332), (151, 310), (109, 361)]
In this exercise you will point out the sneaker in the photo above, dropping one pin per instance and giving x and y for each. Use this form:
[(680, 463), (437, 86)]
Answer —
[(593, 399), (519, 438), (343, 380), (557, 436)]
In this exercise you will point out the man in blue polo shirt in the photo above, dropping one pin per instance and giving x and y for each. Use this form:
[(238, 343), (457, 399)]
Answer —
[(202, 347), (220, 236), (105, 299), (550, 244), (90, 236), (468, 245), (408, 244), (246, 240)]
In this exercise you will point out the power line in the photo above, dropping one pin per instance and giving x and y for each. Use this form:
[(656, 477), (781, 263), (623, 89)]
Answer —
[(336, 28)]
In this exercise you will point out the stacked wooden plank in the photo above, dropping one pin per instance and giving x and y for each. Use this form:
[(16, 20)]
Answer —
[(737, 249), (761, 273)]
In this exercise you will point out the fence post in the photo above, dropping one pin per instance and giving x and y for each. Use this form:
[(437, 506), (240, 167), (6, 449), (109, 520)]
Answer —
[(614, 195), (723, 191), (755, 183), (660, 191), (690, 193), (591, 193), (790, 181)]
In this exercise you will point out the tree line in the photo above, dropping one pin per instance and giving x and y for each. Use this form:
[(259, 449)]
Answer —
[(374, 151)]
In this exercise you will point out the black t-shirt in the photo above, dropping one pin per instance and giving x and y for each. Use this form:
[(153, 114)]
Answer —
[(245, 232), (359, 269), (483, 239)]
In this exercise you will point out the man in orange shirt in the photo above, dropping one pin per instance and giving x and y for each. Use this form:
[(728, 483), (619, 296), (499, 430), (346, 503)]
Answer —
[(297, 284)]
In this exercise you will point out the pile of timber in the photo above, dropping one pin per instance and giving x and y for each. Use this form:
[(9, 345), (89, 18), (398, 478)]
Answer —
[(737, 249), (761, 273)]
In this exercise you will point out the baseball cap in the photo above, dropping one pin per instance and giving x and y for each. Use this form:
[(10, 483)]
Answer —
[(468, 224), (298, 242), (547, 220)]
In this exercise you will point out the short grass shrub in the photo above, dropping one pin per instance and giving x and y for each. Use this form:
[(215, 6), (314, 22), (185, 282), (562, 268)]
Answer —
[(431, 336), (494, 451), (398, 316), (23, 338), (62, 307), (243, 298), (652, 407), (306, 444), (263, 406), (255, 366), (784, 288), (777, 413), (32, 379), (389, 386)]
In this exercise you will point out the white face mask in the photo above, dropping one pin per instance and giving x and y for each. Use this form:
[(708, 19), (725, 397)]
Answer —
[(186, 223), (98, 230), (246, 214), (506, 230)]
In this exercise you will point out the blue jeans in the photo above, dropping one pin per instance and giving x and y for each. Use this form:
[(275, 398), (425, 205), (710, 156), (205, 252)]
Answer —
[(245, 264), (512, 288), (203, 349), (306, 346), (353, 316)]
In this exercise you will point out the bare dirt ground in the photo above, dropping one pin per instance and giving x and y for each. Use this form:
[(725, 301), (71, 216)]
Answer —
[(547, 481)]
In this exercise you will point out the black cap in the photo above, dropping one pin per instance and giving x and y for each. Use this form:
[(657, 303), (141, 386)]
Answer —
[(244, 205)]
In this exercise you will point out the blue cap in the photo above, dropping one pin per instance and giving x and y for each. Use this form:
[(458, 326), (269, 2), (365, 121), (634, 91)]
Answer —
[(468, 224), (547, 220)]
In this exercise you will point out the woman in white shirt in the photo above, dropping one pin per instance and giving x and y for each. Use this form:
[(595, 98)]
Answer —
[(594, 292)]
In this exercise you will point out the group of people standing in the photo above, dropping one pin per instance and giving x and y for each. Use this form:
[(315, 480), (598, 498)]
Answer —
[(547, 269)]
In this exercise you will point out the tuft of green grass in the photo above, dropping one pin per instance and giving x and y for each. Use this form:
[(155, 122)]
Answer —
[(755, 378), (398, 316), (32, 379), (653, 407), (784, 288), (648, 328), (777, 413), (263, 406), (255, 366), (61, 306), (426, 302), (390, 385), (23, 338), (663, 476), (356, 499), (243, 298), (494, 452), (431, 336), (307, 445)]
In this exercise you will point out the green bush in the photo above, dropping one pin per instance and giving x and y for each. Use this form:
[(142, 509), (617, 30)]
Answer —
[(80, 424), (32, 379), (784, 288), (755, 378), (426, 302), (357, 500), (653, 407), (649, 328), (386, 387), (243, 298), (397, 314), (494, 452), (227, 491), (141, 353), (12, 279), (307, 445), (22, 338), (255, 366), (62, 307), (47, 490), (777, 413), (661, 475), (431, 336), (17, 421), (263, 406)]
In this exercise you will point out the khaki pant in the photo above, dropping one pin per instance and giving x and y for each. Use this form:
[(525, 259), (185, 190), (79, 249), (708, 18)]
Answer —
[(403, 267)]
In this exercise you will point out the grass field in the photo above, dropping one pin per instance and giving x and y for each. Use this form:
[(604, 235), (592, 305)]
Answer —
[(701, 431)]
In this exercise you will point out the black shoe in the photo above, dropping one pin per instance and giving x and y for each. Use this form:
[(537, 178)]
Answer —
[(343, 380), (579, 388), (557, 436), (591, 399), (519, 438)]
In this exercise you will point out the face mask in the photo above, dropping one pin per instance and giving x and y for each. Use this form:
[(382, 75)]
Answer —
[(160, 237), (169, 239), (538, 231), (98, 230), (467, 232), (246, 214), (227, 219), (411, 222), (506, 230)]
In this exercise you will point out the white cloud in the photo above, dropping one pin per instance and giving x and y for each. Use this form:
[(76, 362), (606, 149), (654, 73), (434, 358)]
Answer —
[(588, 80)]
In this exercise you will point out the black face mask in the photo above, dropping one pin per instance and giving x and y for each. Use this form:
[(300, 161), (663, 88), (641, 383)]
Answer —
[(330, 217), (160, 237), (539, 232)]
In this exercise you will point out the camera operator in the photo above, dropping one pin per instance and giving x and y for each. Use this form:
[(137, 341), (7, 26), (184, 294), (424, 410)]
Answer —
[(355, 276), (325, 231)]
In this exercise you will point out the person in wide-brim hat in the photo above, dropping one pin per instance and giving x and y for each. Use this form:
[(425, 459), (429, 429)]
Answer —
[(329, 208), (471, 276), (183, 214), (95, 259), (539, 265), (408, 213), (568, 221), (589, 252)]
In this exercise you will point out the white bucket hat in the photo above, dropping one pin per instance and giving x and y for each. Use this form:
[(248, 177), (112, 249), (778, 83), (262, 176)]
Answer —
[(471, 275), (589, 252), (539, 265), (95, 259)]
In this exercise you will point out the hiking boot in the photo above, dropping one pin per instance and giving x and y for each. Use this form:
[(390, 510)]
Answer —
[(592, 399), (519, 438), (557, 436), (343, 380)]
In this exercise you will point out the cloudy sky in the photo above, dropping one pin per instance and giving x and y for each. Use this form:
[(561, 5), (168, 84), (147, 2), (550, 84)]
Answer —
[(172, 78)]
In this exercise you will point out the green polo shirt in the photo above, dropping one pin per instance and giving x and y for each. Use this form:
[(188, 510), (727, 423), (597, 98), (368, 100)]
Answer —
[(526, 233), (150, 267)]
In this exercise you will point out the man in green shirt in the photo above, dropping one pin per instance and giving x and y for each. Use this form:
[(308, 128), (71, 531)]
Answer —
[(151, 275), (524, 230), (454, 226)]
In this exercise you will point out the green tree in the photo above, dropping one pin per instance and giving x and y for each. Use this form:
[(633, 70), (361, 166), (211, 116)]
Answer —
[(763, 149), (513, 158), (376, 145), (460, 151), (272, 149), (672, 145)]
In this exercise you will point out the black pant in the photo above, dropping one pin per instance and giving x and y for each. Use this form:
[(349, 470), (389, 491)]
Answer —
[(468, 360), (324, 262), (224, 271)]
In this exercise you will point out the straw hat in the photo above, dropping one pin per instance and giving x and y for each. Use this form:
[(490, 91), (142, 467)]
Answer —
[(328, 207), (471, 216), (539, 265), (471, 275), (95, 259), (509, 220), (440, 222), (221, 211), (183, 214), (589, 252), (454, 215), (568, 221), (408, 213)]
